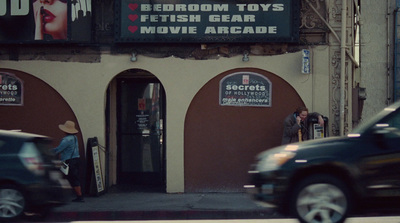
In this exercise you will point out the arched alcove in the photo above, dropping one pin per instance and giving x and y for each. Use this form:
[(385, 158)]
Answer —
[(222, 141), (42, 111)]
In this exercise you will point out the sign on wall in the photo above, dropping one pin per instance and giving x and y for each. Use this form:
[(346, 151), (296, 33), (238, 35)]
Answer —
[(306, 62), (245, 89), (30, 21), (207, 21), (11, 89), (97, 169)]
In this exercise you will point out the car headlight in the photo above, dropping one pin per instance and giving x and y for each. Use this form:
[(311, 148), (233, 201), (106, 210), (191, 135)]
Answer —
[(274, 160)]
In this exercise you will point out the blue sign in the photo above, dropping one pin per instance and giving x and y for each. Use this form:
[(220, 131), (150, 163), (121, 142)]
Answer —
[(306, 62)]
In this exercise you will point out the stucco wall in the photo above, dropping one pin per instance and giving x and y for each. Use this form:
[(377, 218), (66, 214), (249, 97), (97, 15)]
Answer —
[(376, 54), (84, 85)]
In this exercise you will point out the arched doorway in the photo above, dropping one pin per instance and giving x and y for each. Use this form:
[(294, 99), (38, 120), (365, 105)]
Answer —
[(140, 131), (222, 141), (43, 109)]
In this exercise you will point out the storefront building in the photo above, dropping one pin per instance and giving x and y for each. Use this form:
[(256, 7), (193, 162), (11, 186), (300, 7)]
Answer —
[(187, 104)]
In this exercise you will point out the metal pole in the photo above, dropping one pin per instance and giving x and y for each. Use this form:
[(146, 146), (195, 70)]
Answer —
[(333, 32), (343, 68)]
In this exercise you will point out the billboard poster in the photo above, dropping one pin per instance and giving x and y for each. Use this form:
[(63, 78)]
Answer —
[(245, 89), (30, 21), (207, 21), (11, 89)]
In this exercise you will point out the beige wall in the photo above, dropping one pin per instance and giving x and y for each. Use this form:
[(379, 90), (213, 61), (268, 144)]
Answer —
[(84, 85), (376, 54)]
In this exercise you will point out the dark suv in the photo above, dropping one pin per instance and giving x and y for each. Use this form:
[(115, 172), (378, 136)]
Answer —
[(323, 180), (29, 179)]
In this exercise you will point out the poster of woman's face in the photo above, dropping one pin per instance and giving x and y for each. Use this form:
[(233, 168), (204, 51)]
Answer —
[(51, 18), (45, 20)]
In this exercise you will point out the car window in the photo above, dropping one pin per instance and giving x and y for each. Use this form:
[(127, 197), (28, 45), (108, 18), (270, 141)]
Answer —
[(5, 146), (394, 121), (44, 148), (367, 125), (391, 126), (2, 143)]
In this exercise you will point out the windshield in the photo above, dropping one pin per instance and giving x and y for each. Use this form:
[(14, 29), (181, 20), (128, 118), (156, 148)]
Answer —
[(376, 119)]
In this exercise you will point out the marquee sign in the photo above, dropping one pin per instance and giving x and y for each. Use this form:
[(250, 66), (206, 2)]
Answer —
[(207, 21)]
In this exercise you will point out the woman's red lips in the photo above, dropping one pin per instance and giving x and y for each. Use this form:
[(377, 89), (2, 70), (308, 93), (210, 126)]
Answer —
[(47, 15)]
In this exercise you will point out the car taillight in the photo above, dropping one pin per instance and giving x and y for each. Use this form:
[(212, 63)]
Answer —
[(31, 158)]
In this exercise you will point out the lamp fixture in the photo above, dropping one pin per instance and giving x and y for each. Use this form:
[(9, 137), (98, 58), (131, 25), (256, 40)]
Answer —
[(133, 57), (245, 56)]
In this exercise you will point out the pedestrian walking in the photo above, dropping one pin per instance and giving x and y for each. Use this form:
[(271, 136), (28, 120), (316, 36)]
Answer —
[(68, 150)]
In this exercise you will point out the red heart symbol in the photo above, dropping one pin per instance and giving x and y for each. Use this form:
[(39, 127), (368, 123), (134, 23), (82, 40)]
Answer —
[(132, 28), (133, 6), (133, 17)]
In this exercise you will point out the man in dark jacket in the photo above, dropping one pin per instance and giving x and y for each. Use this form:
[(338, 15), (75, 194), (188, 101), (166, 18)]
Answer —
[(295, 125)]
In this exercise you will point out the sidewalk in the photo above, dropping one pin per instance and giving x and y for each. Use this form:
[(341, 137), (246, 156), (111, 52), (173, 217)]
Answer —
[(162, 206)]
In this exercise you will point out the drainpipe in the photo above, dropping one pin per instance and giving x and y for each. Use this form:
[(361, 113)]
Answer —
[(395, 56), (343, 67), (388, 86)]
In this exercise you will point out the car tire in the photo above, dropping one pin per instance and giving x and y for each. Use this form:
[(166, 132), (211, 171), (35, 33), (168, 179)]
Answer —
[(320, 198), (12, 202)]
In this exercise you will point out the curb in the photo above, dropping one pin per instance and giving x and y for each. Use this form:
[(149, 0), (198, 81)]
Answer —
[(159, 215)]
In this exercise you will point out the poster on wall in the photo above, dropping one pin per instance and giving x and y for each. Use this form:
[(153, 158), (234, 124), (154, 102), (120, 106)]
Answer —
[(207, 21), (245, 89), (11, 90), (30, 21)]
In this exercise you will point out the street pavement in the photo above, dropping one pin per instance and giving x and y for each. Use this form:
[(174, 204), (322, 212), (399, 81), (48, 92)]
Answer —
[(393, 219), (122, 205)]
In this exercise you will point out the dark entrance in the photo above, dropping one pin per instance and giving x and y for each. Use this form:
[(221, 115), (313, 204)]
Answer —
[(140, 117)]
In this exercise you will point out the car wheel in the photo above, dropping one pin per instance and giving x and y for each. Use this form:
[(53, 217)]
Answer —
[(12, 202), (320, 198)]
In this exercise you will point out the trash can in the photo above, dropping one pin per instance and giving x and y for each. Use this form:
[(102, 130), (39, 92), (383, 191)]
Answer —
[(315, 131)]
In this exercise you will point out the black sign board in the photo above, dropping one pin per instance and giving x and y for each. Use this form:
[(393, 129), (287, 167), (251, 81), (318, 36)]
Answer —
[(11, 89), (94, 179), (207, 21), (245, 89)]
